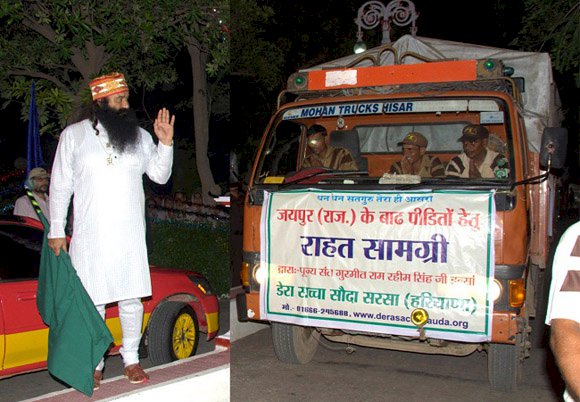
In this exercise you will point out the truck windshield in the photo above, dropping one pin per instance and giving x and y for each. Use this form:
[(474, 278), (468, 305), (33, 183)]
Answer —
[(388, 140)]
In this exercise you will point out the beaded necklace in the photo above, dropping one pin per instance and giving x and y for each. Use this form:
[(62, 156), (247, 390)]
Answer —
[(109, 149)]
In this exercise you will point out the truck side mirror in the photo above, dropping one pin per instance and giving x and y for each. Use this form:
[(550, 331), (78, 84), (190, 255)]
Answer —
[(554, 143)]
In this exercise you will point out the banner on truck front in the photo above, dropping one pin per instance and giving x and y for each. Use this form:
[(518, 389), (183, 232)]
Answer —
[(364, 261)]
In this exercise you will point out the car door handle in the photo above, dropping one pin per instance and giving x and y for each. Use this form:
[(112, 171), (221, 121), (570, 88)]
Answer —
[(26, 296)]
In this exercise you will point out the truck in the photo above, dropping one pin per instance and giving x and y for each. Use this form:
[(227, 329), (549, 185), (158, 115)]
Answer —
[(363, 256)]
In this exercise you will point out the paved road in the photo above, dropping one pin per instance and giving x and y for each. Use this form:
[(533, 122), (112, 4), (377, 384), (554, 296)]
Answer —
[(378, 375), (31, 385)]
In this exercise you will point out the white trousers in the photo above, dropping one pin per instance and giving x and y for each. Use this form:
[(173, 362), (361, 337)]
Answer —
[(131, 317)]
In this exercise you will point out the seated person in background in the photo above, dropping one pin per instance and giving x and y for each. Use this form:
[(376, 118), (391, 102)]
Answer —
[(37, 183), (477, 160), (414, 160), (324, 155)]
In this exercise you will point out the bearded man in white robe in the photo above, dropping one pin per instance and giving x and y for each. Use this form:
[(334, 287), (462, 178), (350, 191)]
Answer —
[(101, 161)]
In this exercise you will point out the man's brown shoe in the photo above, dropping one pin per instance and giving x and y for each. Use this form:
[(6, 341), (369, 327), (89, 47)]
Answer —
[(135, 374), (97, 377)]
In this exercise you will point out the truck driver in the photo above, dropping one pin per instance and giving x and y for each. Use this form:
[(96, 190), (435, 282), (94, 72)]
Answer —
[(324, 155)]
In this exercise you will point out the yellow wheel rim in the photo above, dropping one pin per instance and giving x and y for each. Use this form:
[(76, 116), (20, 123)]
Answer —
[(184, 335)]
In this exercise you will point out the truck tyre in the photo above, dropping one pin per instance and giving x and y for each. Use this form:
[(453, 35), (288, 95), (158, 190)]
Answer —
[(173, 333), (504, 367), (294, 344)]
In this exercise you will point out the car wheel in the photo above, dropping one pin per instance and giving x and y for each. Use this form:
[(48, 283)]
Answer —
[(173, 333)]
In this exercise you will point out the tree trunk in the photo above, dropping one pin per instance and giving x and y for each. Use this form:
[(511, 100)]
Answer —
[(201, 123), (89, 63)]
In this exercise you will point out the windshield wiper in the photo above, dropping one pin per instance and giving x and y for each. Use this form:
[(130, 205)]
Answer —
[(323, 172), (476, 182)]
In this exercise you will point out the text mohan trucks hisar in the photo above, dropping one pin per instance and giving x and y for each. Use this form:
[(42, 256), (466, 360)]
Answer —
[(339, 246)]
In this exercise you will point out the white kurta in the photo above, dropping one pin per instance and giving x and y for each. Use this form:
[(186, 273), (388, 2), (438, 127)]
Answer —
[(23, 207), (108, 247), (563, 303), (564, 290)]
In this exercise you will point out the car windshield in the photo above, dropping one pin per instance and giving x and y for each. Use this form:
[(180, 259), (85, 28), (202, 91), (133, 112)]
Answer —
[(377, 140)]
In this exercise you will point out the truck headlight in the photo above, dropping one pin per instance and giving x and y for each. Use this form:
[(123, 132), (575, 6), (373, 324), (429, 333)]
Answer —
[(250, 263), (260, 274), (495, 290)]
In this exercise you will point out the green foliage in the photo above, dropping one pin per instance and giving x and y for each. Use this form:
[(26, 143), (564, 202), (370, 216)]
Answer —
[(217, 39), (208, 27), (200, 248), (62, 44), (255, 57), (184, 174), (53, 104), (203, 22), (257, 74), (553, 26)]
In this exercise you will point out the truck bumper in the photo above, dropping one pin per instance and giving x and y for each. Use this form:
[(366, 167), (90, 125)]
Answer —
[(242, 307), (505, 326), (248, 305)]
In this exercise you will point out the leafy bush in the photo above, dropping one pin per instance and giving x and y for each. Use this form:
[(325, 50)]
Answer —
[(199, 247)]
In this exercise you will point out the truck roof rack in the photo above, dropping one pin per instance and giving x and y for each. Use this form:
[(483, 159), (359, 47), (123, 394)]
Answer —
[(504, 84)]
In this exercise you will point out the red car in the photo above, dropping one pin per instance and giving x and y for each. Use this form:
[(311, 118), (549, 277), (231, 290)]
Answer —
[(181, 306)]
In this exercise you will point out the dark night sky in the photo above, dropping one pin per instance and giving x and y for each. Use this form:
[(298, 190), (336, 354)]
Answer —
[(13, 136), (474, 21)]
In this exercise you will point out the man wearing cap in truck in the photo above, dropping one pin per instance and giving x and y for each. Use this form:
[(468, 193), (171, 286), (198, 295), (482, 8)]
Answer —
[(324, 155), (477, 160), (101, 161), (37, 182), (414, 160)]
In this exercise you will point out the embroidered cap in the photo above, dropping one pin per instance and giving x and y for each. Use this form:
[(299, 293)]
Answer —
[(414, 138), (107, 85), (473, 132)]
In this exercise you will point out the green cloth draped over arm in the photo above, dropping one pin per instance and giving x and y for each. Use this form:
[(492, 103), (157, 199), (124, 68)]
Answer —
[(78, 337)]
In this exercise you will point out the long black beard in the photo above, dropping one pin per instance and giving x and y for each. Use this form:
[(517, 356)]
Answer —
[(122, 127)]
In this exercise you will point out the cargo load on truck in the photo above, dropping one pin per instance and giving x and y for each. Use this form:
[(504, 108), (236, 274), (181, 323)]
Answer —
[(540, 99)]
